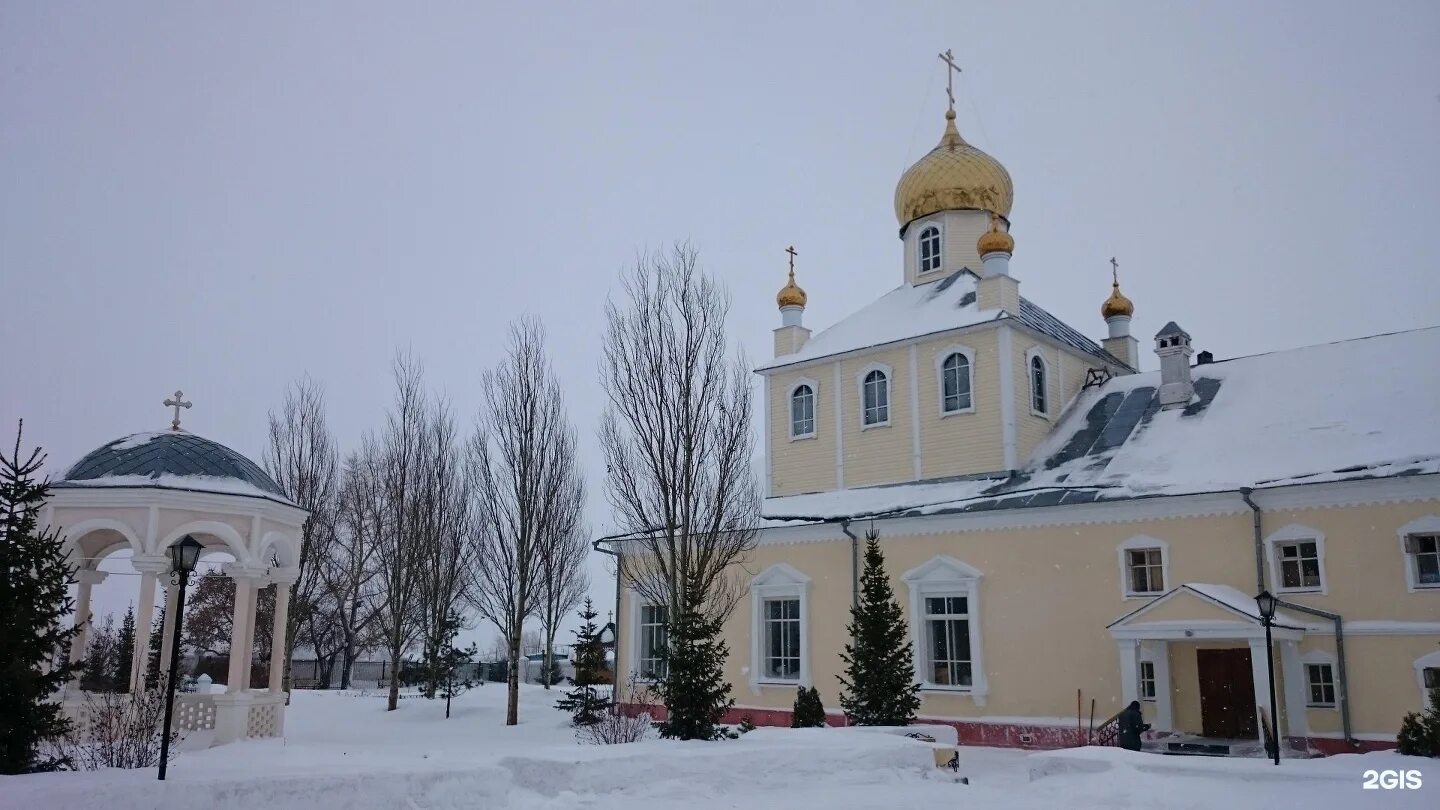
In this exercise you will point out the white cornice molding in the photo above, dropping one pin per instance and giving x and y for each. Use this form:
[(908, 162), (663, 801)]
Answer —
[(148, 497)]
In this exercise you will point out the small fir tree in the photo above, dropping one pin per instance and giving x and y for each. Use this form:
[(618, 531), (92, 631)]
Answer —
[(1420, 732), (584, 702), (879, 680), (97, 672), (454, 678), (159, 645), (695, 691), (809, 712), (124, 652), (34, 601)]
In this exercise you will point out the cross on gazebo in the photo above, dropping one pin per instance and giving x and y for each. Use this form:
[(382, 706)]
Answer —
[(949, 59), (177, 402)]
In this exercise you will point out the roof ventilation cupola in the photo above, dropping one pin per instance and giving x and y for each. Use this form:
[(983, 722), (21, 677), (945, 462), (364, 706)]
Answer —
[(1172, 345)]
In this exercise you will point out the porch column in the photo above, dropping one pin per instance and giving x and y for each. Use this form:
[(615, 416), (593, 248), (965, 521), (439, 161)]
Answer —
[(241, 622), (1260, 674), (86, 578), (1164, 719), (1293, 678), (150, 571), (1129, 669), (277, 636)]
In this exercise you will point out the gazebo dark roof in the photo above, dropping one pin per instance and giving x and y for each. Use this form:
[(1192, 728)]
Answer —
[(167, 459)]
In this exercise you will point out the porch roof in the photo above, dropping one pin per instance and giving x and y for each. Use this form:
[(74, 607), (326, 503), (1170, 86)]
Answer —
[(1201, 610)]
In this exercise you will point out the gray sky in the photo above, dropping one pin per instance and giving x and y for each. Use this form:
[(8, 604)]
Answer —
[(222, 199)]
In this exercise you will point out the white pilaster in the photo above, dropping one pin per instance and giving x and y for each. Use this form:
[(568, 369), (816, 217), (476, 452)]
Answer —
[(1129, 670), (839, 398), (1007, 399), (915, 411)]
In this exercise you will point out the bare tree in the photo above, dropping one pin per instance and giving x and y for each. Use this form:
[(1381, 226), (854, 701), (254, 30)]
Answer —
[(303, 460), (352, 583), (400, 549), (443, 524), (562, 584), (677, 434), (523, 473)]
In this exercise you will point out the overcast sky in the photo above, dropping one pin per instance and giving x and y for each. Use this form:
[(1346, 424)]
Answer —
[(224, 198)]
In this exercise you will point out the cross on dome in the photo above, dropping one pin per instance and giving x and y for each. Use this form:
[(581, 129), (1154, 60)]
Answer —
[(177, 402), (949, 59)]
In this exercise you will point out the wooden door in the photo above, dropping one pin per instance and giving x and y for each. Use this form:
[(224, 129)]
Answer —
[(1227, 693)]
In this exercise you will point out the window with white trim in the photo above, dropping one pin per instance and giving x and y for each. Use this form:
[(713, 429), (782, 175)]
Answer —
[(1147, 680), (929, 249), (1299, 563), (654, 633), (955, 384), (802, 412), (947, 641), (1039, 402), (1144, 571), (1424, 553), (782, 639), (1320, 684), (945, 625), (876, 393), (1430, 676)]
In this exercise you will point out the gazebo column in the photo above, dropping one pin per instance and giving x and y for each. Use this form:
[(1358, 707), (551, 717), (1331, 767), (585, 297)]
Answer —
[(232, 709), (87, 579), (277, 636), (167, 633), (150, 571)]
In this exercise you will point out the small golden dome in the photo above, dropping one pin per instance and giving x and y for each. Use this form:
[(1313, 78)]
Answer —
[(995, 240), (791, 295), (1116, 304), (953, 175)]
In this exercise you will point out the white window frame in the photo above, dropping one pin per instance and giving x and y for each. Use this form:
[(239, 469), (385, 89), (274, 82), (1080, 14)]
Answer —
[(940, 358), (922, 227), (1295, 533), (814, 410), (947, 576), (779, 581), (889, 394), (1033, 354), (1424, 662), (1141, 542), (1428, 524), (1320, 658), (632, 654), (1141, 680)]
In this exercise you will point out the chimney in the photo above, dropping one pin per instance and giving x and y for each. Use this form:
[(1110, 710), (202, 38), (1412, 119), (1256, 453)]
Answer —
[(1172, 345)]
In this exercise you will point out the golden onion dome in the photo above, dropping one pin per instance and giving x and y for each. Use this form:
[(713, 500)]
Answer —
[(953, 175), (1116, 304), (791, 295), (995, 240)]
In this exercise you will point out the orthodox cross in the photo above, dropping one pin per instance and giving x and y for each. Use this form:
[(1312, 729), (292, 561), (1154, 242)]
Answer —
[(1114, 270), (949, 59), (793, 254), (177, 402)]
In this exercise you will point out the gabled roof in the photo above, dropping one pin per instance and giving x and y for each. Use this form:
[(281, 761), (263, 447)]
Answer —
[(1230, 601), (1363, 408), (908, 312)]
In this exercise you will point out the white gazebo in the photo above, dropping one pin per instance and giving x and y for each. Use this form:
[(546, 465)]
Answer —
[(145, 492)]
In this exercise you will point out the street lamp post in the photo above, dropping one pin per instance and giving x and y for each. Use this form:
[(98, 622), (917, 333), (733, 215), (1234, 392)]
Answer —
[(1267, 603), (183, 556)]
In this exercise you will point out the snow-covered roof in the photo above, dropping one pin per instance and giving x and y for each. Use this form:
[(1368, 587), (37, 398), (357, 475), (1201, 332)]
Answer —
[(1363, 408), (908, 312), (172, 460)]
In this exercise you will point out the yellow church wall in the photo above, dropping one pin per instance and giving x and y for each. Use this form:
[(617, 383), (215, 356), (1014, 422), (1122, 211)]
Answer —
[(802, 465), (1048, 593), (879, 454), (1064, 377), (961, 443)]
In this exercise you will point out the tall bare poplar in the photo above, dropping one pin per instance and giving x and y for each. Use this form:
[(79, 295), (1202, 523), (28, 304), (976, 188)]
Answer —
[(444, 529), (676, 435), (303, 460), (353, 585), (525, 485), (562, 581)]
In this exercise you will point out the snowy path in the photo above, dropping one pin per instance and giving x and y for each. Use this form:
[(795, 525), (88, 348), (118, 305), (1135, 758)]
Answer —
[(347, 752)]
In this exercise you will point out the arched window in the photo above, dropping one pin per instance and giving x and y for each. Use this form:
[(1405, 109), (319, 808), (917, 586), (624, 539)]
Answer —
[(955, 383), (802, 411), (877, 398), (930, 249), (1038, 400)]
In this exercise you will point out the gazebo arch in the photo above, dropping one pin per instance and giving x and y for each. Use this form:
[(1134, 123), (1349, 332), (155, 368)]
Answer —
[(151, 490)]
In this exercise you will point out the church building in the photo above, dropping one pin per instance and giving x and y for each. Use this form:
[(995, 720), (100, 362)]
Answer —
[(1062, 527)]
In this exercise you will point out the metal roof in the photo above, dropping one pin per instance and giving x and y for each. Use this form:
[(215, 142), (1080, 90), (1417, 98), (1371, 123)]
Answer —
[(172, 453)]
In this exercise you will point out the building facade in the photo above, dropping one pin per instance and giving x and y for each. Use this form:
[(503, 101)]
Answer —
[(1063, 528)]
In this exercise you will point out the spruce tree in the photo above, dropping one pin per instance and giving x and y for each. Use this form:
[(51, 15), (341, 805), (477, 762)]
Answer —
[(124, 652), (1420, 732), (159, 645), (97, 671), (695, 691), (809, 711), (34, 601), (584, 702), (879, 680)]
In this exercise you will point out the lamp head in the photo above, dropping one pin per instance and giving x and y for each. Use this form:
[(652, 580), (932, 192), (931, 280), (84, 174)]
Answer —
[(1266, 602), (184, 555)]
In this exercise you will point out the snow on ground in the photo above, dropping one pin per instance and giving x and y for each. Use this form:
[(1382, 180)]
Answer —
[(345, 751)]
